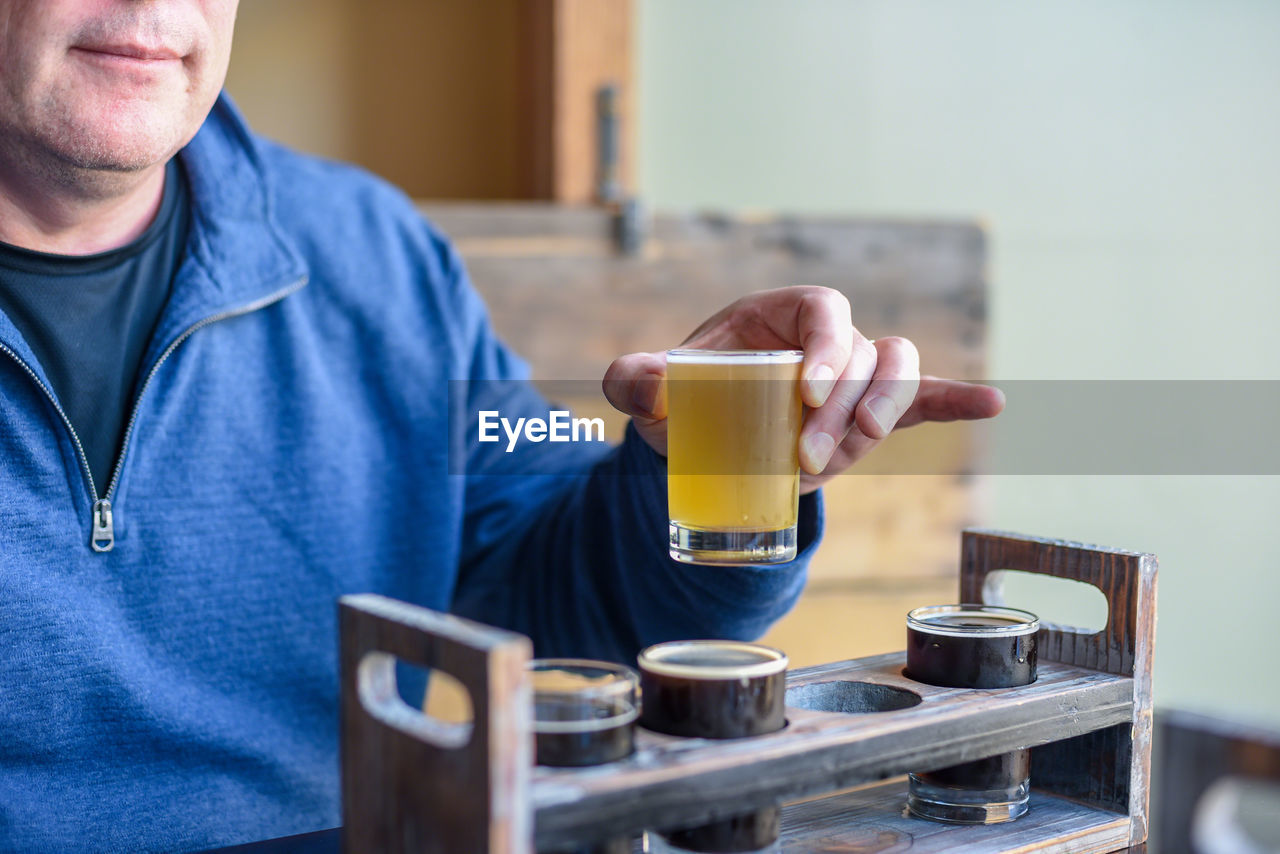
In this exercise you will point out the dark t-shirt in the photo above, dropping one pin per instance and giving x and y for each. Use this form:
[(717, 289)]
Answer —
[(89, 318)]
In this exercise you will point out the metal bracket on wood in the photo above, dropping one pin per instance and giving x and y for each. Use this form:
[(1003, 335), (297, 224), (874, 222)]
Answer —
[(627, 222)]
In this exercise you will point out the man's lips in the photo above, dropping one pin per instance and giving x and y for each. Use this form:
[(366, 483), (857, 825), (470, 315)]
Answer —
[(130, 52)]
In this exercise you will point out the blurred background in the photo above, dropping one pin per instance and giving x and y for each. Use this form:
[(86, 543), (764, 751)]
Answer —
[(1037, 192)]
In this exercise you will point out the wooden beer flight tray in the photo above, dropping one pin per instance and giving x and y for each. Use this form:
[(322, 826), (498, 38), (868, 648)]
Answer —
[(411, 784)]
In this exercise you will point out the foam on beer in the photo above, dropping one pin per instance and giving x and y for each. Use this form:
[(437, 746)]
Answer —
[(713, 659), (563, 682), (738, 357), (964, 622)]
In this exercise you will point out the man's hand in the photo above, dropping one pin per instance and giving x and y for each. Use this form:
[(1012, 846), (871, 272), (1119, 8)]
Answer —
[(856, 390)]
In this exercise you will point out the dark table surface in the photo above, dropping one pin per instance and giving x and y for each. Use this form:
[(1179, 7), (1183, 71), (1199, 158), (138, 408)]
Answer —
[(320, 842), (330, 842)]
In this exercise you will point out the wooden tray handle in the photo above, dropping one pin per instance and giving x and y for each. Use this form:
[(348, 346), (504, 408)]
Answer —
[(1126, 579), (411, 785), (1109, 768)]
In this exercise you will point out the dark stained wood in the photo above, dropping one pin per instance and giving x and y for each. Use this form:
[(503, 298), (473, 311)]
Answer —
[(1110, 768), (672, 781), (1194, 752), (407, 786), (872, 820), (399, 781), (865, 822)]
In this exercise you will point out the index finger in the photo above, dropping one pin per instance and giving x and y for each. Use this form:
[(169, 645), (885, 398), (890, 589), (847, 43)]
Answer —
[(952, 400)]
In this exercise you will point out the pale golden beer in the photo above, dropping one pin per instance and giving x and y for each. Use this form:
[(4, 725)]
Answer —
[(733, 468)]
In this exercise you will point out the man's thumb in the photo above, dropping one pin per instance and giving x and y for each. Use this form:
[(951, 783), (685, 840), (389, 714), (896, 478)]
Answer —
[(636, 384)]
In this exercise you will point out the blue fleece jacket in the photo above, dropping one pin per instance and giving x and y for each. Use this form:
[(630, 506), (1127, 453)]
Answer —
[(291, 444)]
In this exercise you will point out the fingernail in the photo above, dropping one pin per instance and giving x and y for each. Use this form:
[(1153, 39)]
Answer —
[(818, 448), (821, 379), (884, 412), (644, 396)]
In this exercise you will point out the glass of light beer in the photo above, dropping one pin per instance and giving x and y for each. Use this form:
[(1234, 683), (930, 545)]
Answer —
[(733, 466)]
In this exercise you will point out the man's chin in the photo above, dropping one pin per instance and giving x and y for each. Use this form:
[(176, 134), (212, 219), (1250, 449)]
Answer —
[(109, 159), (118, 145)]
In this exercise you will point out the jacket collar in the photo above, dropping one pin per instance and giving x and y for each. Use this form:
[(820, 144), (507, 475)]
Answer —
[(237, 255)]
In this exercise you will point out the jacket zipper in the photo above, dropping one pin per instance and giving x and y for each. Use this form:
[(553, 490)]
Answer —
[(102, 537), (101, 509)]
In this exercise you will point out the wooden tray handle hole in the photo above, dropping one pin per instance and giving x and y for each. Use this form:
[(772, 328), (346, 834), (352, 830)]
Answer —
[(1238, 815), (429, 705), (1062, 604)]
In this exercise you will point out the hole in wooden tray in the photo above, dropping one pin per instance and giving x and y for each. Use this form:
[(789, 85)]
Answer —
[(1060, 603), (396, 693), (850, 698), (447, 701), (1238, 815)]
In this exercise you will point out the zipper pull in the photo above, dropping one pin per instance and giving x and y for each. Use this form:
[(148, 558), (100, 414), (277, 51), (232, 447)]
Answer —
[(104, 532)]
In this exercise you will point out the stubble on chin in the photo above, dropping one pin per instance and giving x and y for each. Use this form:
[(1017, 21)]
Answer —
[(113, 133), (95, 150)]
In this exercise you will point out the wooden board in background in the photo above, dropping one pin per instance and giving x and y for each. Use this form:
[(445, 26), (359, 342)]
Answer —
[(571, 49), (834, 622), (483, 99)]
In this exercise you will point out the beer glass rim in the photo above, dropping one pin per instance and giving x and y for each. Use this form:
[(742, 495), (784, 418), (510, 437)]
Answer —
[(624, 684), (1020, 622), (772, 661), (693, 355)]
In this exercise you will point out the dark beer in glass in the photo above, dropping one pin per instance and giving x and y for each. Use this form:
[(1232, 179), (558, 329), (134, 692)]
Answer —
[(715, 689), (973, 646), (584, 713)]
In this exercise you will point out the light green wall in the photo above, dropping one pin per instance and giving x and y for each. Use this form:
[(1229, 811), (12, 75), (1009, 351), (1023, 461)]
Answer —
[(1125, 158)]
